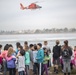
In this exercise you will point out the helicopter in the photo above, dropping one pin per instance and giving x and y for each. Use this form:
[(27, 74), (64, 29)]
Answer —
[(31, 6)]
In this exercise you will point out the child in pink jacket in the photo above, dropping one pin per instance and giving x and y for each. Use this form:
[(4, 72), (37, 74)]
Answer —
[(74, 60)]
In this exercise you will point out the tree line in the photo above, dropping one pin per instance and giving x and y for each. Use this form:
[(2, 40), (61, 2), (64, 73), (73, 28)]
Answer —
[(38, 31)]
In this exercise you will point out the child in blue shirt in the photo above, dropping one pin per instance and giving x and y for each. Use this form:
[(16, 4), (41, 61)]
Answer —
[(40, 57)]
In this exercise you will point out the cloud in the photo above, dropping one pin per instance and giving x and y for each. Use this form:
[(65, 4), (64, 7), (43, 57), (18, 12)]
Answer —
[(54, 13)]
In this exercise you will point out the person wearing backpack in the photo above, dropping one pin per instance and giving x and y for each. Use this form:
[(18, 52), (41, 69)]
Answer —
[(10, 58), (56, 55), (66, 57)]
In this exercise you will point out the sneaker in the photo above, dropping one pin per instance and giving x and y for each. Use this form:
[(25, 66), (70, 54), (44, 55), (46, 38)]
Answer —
[(63, 71), (56, 71)]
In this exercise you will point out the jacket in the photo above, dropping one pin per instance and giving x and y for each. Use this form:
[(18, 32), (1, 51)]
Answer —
[(45, 60), (70, 53), (4, 54), (31, 55), (40, 56), (56, 51), (11, 62), (27, 58), (21, 63), (34, 56)]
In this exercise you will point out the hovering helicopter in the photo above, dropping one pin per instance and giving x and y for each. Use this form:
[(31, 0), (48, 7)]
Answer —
[(31, 6)]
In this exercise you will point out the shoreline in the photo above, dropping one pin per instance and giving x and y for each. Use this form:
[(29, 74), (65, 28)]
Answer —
[(39, 33), (37, 37)]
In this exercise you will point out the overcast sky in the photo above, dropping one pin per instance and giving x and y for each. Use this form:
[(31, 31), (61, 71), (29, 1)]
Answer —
[(53, 14)]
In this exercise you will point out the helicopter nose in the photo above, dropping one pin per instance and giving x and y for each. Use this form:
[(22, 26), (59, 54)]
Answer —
[(40, 7)]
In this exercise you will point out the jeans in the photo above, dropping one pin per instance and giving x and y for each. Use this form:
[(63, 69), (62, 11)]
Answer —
[(66, 65), (5, 67), (27, 69), (45, 69), (21, 73), (35, 68), (12, 71)]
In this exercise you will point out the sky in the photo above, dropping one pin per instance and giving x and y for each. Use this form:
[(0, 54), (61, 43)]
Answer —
[(53, 14)]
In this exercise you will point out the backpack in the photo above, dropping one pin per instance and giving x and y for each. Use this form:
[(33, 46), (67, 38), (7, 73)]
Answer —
[(11, 63), (56, 51), (66, 53)]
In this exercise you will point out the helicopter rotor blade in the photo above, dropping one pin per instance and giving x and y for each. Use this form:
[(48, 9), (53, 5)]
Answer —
[(38, 1)]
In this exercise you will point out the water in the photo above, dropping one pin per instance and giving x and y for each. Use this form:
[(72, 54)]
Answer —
[(36, 38)]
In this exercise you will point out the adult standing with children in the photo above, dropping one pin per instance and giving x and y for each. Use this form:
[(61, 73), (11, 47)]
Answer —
[(66, 57)]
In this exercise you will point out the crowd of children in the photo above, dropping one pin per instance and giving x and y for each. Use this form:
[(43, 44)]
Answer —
[(35, 59)]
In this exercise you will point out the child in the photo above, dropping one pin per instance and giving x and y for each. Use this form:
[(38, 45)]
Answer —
[(27, 61), (74, 51), (35, 64), (0, 48), (1, 62), (18, 53), (25, 45), (17, 45), (45, 61), (74, 63), (19, 49), (4, 54), (56, 56), (49, 52), (11, 62), (21, 62), (74, 60), (31, 48), (39, 58)]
